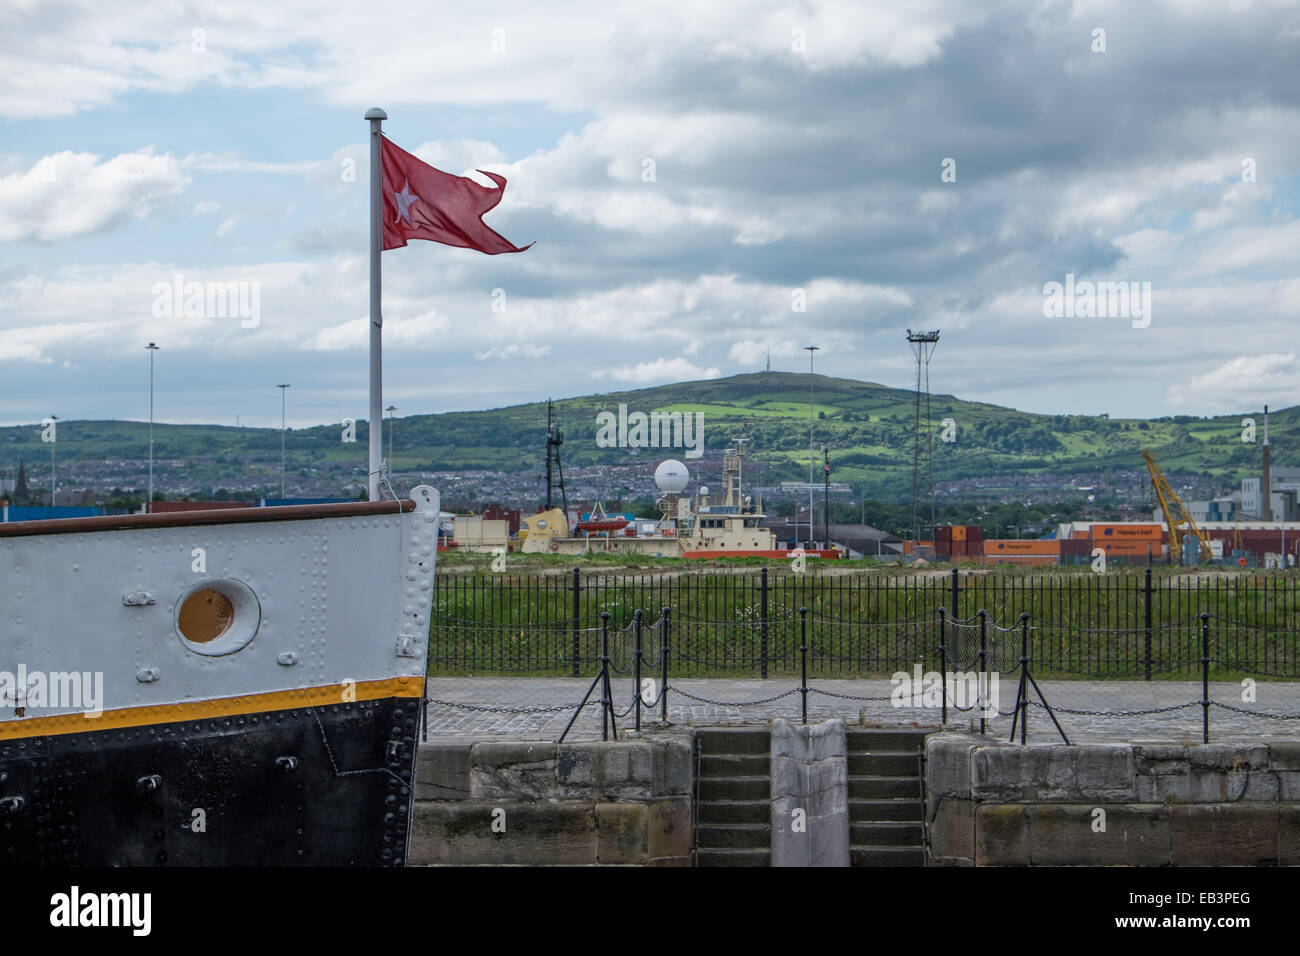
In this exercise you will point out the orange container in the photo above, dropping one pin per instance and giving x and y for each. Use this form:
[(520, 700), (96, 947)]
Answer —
[(1102, 533), (996, 547), (959, 532), (1030, 559), (1129, 548)]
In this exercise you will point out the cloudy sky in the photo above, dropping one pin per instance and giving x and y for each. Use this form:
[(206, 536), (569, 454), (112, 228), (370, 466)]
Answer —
[(689, 172)]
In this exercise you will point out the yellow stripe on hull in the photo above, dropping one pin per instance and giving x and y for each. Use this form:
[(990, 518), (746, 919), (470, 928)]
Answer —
[(24, 727)]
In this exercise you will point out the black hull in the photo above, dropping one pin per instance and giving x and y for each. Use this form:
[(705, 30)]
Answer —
[(326, 785)]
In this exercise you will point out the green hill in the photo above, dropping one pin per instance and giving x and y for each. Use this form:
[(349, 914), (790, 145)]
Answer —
[(867, 427)]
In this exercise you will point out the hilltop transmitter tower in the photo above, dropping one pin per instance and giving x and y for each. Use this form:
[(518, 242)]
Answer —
[(923, 345)]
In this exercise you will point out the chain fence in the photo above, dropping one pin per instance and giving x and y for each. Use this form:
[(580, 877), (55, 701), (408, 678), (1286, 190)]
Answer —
[(974, 669)]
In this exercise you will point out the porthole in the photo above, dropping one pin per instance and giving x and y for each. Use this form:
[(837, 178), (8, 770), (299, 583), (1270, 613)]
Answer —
[(204, 616), (217, 617)]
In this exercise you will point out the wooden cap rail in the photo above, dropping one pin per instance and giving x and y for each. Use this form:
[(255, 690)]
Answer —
[(181, 519)]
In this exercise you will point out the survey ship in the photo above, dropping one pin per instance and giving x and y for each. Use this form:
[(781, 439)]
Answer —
[(235, 687), (700, 526)]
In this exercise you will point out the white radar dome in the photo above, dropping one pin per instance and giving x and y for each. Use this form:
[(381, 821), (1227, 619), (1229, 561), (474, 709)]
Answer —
[(671, 476)]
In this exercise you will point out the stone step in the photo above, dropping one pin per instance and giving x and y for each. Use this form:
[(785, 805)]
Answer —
[(735, 765), (881, 740), (735, 788), (870, 811), (738, 836), (884, 765), (877, 788), (735, 811), (885, 833), (726, 857), (886, 856), (739, 740)]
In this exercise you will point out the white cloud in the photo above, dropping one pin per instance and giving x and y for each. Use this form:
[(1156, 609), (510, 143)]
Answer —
[(234, 163), (659, 370), (528, 351), (1247, 381), (75, 194)]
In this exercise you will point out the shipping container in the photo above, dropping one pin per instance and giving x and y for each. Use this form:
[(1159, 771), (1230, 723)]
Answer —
[(1130, 549), (959, 532), (996, 546), (1033, 560), (974, 533), (1126, 532)]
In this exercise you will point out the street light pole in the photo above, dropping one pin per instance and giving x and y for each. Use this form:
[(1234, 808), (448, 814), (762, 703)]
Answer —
[(390, 409), (53, 421), (810, 349), (282, 389), (148, 504)]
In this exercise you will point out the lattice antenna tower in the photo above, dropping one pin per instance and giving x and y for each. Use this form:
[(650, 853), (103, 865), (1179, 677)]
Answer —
[(554, 470), (923, 345)]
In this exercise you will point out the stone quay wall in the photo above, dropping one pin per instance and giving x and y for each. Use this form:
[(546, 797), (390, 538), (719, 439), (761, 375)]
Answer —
[(605, 803), (989, 803)]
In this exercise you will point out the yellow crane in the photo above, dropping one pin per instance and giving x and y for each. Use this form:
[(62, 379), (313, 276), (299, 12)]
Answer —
[(1177, 517)]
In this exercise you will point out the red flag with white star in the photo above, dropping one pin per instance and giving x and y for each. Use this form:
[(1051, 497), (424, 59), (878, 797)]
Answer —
[(420, 202)]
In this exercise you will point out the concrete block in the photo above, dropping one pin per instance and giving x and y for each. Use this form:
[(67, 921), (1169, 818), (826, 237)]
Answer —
[(621, 833), (1284, 755), (1226, 757), (1068, 835), (1162, 788), (952, 832), (619, 764), (512, 771), (1288, 835), (796, 780), (1102, 772), (948, 762), (442, 770), (814, 742), (669, 831), (1001, 834), (1160, 758), (674, 770), (1092, 771), (460, 833), (1236, 834), (573, 769), (506, 753), (1288, 785), (809, 773), (1262, 786), (1213, 786)]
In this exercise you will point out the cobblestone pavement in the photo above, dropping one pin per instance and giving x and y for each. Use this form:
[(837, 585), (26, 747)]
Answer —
[(538, 708)]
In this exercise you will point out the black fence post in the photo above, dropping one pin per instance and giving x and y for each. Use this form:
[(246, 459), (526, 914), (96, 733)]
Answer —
[(1205, 677), (1024, 675), (605, 702), (983, 667), (943, 665), (577, 620), (1147, 619), (636, 664), (762, 622), (954, 593), (663, 667), (803, 657)]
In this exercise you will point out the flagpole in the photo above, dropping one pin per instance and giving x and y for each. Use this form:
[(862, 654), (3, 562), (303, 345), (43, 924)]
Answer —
[(376, 116)]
